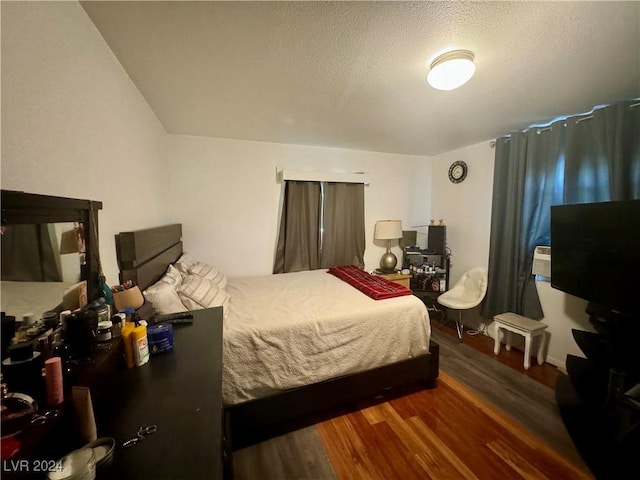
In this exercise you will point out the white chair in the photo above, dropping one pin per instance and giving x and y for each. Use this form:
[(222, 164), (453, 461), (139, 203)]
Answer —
[(467, 293)]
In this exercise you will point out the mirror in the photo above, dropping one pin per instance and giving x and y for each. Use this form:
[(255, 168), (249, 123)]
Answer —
[(39, 262), (49, 245)]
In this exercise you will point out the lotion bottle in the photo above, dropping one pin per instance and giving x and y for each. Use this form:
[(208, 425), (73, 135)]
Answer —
[(127, 341), (140, 345)]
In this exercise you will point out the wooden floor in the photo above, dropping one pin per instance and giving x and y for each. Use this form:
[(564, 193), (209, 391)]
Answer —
[(443, 433), (545, 374), (487, 418)]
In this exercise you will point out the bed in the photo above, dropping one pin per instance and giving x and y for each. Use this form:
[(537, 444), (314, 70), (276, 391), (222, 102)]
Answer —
[(297, 343), (20, 298)]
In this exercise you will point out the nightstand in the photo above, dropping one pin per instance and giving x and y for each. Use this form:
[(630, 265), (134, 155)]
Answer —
[(400, 278)]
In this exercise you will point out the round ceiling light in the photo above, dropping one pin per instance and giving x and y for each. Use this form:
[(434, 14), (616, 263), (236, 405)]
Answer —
[(451, 70)]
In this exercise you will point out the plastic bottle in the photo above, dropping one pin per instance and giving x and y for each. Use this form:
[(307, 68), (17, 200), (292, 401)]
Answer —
[(28, 322), (129, 312), (107, 294), (53, 379), (101, 308), (140, 345), (50, 319), (127, 340), (118, 321)]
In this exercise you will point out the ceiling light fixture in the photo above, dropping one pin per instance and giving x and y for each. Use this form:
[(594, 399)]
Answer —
[(451, 70)]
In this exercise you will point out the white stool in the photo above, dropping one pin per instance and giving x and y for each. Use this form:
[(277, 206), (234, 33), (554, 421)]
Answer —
[(529, 329)]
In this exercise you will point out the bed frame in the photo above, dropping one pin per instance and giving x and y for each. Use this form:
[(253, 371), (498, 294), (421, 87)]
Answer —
[(144, 256)]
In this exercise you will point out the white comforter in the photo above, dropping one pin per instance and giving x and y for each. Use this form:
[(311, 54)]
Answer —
[(288, 330)]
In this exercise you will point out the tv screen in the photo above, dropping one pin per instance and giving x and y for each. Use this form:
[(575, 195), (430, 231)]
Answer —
[(595, 253)]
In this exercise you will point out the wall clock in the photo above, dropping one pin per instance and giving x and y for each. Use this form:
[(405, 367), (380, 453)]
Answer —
[(458, 171)]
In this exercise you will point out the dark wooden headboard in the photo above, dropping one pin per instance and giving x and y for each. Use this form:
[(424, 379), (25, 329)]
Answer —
[(145, 255)]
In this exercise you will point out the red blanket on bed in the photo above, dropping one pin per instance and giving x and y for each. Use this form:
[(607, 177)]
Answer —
[(375, 287)]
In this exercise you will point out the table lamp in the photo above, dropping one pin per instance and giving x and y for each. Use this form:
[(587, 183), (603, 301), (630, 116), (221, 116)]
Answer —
[(388, 230)]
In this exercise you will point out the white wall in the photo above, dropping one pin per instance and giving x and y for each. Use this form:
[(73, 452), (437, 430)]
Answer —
[(466, 209), (225, 194), (562, 312), (73, 123)]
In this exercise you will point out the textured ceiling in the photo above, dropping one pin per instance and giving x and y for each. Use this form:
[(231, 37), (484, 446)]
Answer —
[(352, 74)]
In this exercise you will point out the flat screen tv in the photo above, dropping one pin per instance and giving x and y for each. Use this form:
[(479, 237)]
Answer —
[(595, 253)]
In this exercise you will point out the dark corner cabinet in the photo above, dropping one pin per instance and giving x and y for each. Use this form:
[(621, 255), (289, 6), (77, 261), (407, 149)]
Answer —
[(181, 393), (599, 397)]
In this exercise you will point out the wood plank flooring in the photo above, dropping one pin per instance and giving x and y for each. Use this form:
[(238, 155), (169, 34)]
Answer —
[(525, 395), (488, 418), (446, 432), (296, 455)]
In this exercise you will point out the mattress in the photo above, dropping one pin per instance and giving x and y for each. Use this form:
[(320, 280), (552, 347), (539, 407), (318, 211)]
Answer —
[(288, 330)]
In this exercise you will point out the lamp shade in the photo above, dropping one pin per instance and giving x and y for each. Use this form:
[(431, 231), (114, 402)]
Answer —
[(451, 70), (388, 230)]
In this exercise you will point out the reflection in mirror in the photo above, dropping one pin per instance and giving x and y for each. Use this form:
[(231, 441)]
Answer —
[(39, 262)]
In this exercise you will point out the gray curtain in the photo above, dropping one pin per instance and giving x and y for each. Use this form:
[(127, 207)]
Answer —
[(30, 254), (586, 158), (343, 239), (602, 160), (322, 225), (298, 245)]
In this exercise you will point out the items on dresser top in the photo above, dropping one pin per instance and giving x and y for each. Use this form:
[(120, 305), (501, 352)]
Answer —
[(401, 277), (22, 370), (176, 399), (126, 295), (160, 338), (182, 318), (20, 412)]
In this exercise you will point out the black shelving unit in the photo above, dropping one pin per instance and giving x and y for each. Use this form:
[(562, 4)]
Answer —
[(596, 398), (423, 285)]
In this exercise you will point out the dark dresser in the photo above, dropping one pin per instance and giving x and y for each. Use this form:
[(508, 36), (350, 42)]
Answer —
[(180, 392)]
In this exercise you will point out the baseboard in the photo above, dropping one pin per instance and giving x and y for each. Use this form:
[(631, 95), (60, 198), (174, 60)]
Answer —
[(559, 364)]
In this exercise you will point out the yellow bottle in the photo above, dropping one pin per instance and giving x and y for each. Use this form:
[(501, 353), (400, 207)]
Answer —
[(127, 340)]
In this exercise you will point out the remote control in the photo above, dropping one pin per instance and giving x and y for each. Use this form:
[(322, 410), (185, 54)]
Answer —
[(182, 318)]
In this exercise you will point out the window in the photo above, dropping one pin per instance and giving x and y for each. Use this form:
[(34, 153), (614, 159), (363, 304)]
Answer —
[(322, 225), (593, 157)]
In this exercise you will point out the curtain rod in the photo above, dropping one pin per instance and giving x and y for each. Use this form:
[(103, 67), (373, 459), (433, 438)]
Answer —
[(579, 118), (308, 176)]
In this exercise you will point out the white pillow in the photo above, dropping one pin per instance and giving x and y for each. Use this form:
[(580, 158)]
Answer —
[(207, 271), (182, 268), (172, 277), (187, 259), (198, 292), (164, 298)]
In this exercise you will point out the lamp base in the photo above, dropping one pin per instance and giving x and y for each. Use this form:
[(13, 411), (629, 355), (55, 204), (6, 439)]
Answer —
[(388, 262)]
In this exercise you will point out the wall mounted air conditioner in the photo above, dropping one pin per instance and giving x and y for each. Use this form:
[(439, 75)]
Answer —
[(542, 261)]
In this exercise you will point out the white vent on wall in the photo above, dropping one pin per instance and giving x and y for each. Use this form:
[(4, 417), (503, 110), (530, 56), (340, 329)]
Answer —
[(542, 261)]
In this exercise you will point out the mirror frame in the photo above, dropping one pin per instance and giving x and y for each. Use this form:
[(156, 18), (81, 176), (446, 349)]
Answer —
[(19, 208)]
